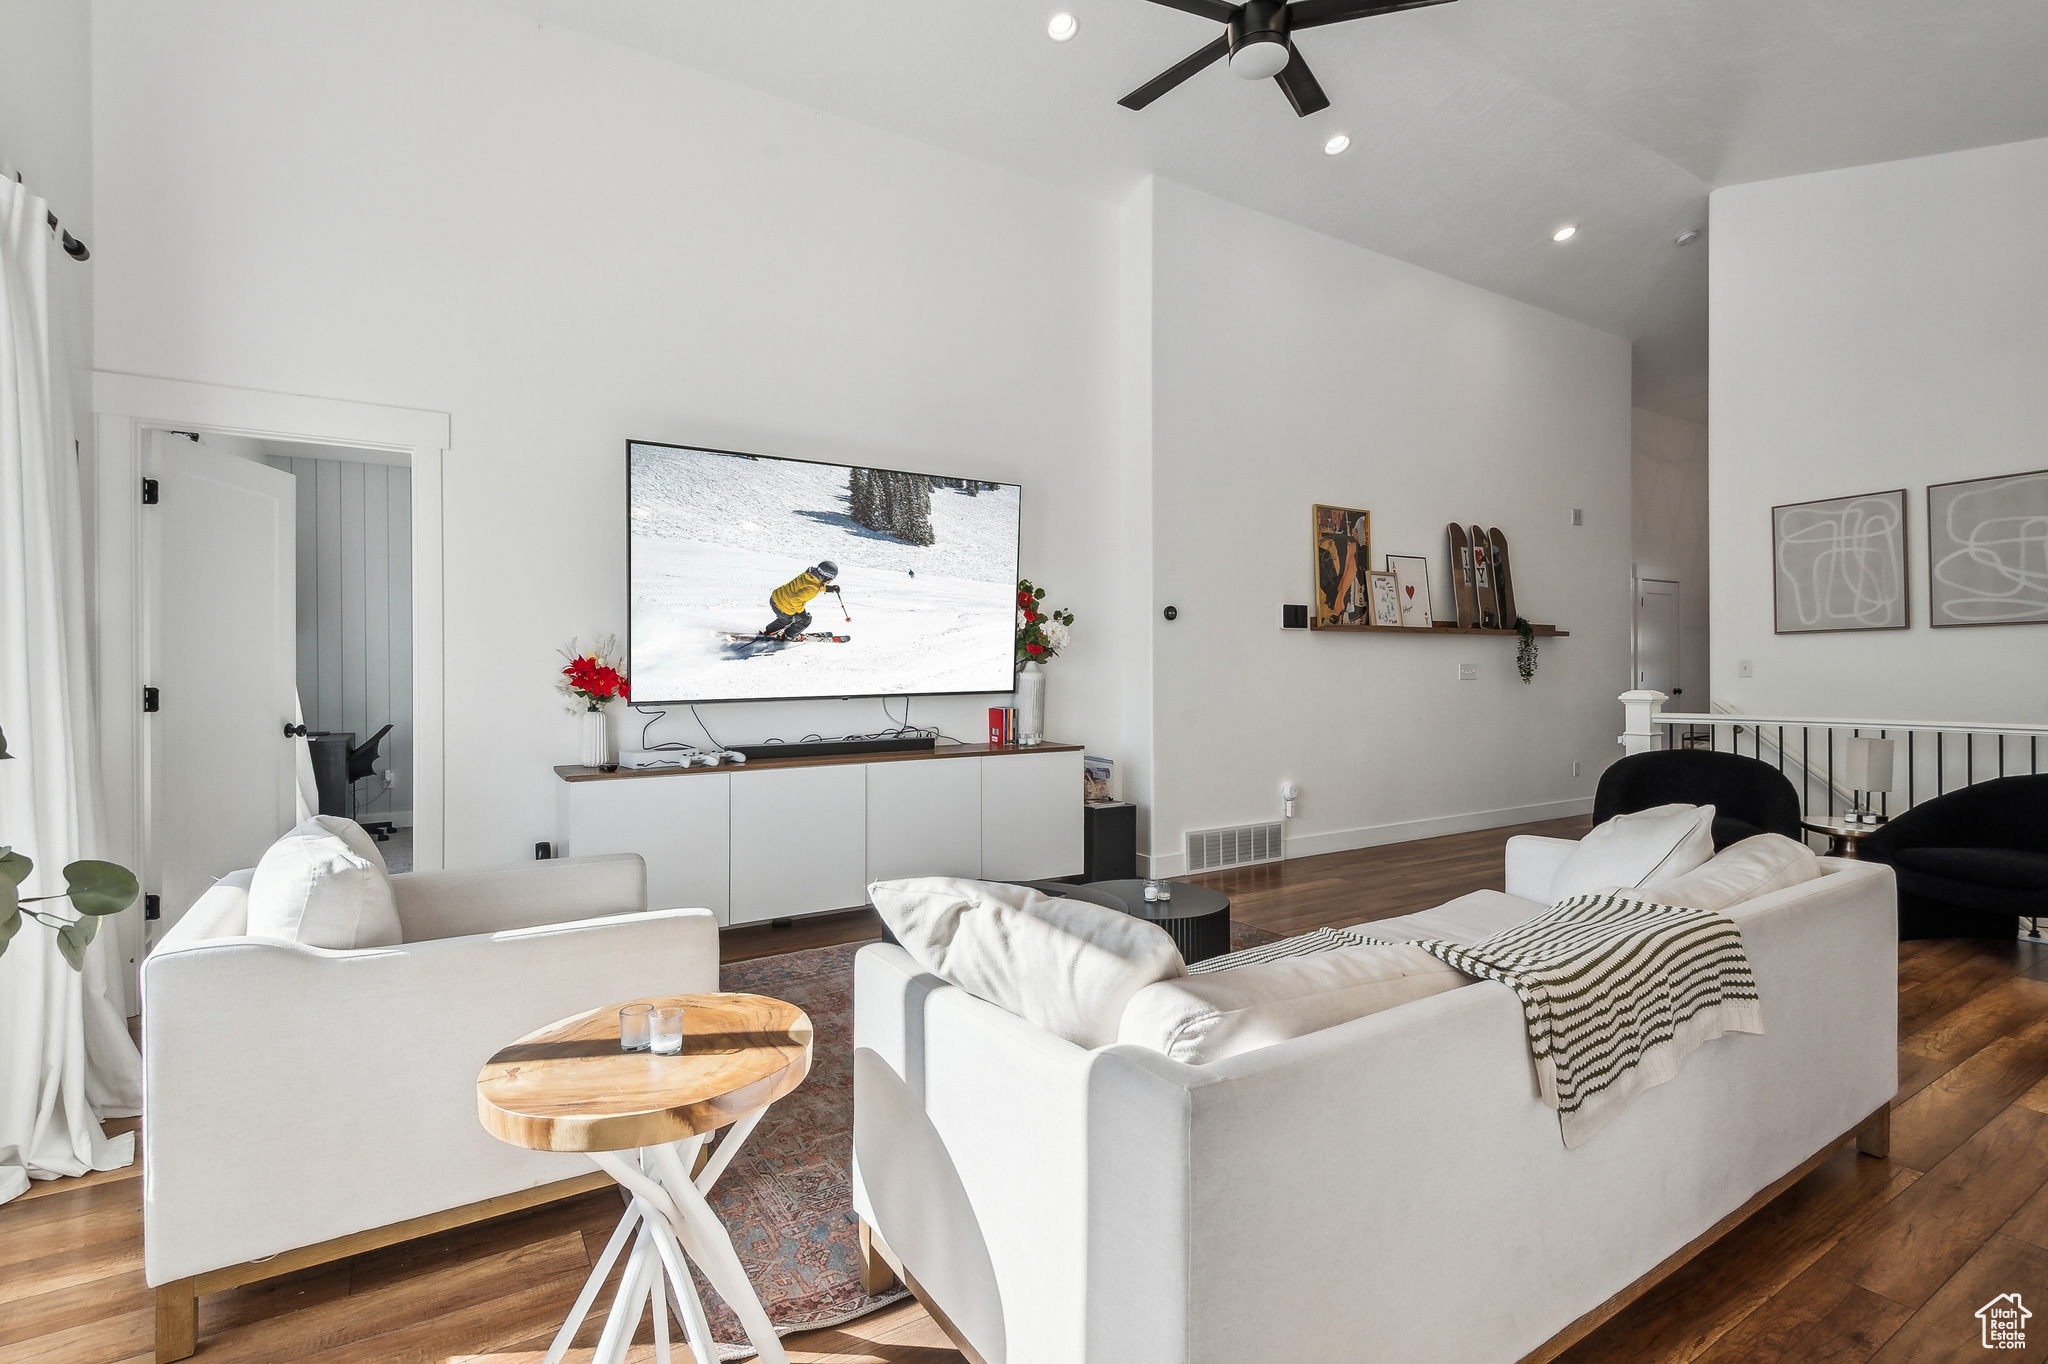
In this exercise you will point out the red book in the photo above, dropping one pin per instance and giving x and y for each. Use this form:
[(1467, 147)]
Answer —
[(995, 726)]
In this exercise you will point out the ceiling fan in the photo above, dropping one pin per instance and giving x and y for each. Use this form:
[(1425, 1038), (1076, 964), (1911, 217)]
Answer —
[(1258, 42)]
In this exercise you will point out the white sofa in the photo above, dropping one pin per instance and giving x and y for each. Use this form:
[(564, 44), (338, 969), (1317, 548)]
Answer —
[(294, 1095), (1387, 1189)]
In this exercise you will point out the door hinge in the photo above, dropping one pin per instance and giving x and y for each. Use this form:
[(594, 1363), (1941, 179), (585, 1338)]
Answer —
[(152, 906), (150, 700), (149, 492)]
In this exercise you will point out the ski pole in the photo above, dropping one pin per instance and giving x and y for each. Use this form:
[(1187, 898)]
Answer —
[(842, 605)]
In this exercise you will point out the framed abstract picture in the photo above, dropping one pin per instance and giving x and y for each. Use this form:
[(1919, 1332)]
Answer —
[(1385, 597), (1343, 556), (1987, 551), (1840, 564), (1411, 576)]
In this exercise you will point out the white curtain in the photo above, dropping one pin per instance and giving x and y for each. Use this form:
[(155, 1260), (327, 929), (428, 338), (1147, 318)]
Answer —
[(66, 1062)]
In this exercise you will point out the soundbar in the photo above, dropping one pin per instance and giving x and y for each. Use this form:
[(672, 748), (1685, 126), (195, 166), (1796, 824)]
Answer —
[(832, 748)]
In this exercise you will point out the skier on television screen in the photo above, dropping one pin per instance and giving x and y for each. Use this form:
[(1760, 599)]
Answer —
[(788, 600)]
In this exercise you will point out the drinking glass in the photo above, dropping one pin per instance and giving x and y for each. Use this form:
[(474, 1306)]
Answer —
[(666, 1030), (633, 1027)]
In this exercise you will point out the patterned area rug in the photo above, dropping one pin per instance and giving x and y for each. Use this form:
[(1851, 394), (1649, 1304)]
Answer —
[(787, 1197)]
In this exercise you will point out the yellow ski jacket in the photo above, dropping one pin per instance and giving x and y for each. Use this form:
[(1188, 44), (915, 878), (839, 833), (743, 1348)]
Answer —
[(791, 596)]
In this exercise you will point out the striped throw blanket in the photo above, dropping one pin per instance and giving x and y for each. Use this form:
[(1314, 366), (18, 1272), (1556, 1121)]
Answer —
[(1616, 992)]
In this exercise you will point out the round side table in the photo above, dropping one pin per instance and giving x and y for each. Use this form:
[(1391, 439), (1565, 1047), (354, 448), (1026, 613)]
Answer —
[(1843, 837), (644, 1118), (1197, 918)]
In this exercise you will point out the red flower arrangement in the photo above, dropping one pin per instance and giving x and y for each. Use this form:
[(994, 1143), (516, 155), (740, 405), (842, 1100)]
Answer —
[(1041, 633), (594, 677)]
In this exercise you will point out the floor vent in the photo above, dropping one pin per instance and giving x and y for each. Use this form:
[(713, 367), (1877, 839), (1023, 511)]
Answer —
[(1209, 849)]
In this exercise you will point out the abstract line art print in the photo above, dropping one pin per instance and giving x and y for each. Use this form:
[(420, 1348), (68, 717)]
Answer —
[(1987, 550), (1840, 564)]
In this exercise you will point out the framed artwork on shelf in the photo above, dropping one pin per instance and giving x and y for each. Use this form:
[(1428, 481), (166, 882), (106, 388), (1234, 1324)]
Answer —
[(1343, 556), (1385, 596), (1840, 564), (1987, 550), (1411, 578)]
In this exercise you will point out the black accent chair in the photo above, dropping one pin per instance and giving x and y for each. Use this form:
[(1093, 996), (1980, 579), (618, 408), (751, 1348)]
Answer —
[(362, 762), (1972, 863), (1749, 797)]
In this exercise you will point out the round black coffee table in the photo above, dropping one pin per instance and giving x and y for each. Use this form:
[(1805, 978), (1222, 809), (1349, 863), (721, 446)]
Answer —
[(1196, 918)]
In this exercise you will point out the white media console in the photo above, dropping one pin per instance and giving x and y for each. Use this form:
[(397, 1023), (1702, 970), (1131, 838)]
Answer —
[(780, 837)]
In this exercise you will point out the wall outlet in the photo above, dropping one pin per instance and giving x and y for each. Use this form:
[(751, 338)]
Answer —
[(1575, 769), (1578, 516), (1745, 668), (1468, 672)]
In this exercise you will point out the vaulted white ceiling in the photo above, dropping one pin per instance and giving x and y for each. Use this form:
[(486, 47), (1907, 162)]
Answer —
[(1478, 127)]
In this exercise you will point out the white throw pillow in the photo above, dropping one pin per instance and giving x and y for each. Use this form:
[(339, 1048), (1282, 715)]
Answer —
[(1066, 965), (324, 885), (1741, 871), (1642, 849), (1210, 1015)]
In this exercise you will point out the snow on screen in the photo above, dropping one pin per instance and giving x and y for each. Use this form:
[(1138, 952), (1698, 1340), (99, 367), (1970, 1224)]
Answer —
[(714, 534)]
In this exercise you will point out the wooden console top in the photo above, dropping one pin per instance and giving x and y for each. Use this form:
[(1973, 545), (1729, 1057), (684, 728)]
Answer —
[(577, 772)]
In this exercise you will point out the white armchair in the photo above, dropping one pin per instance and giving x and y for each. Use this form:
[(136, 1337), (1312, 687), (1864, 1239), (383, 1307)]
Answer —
[(301, 1104)]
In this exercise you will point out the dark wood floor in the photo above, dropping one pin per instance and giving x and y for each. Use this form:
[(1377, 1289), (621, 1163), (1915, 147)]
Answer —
[(1864, 1259)]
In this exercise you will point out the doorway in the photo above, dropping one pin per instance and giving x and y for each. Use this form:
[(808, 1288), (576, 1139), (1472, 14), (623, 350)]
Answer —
[(131, 414), (278, 584), (1656, 637)]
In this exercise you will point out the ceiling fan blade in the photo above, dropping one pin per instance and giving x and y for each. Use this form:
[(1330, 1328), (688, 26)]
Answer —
[(1208, 9), (1315, 13), (1304, 91), (1175, 74)]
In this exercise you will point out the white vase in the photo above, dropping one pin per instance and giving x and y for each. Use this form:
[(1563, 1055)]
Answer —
[(1030, 704), (597, 748)]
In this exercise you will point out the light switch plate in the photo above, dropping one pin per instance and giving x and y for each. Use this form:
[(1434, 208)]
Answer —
[(1468, 672), (1745, 668)]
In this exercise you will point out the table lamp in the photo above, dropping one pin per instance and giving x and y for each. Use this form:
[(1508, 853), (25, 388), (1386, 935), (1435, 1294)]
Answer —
[(1867, 767)]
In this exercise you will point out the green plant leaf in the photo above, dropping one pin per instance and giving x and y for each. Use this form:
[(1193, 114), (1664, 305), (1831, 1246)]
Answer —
[(14, 868), (73, 938), (100, 887), (9, 926)]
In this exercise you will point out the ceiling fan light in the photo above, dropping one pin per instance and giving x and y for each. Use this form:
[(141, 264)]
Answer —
[(1565, 233), (1260, 58), (1337, 145)]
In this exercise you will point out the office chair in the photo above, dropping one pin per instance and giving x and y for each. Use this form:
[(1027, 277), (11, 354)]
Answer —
[(362, 762)]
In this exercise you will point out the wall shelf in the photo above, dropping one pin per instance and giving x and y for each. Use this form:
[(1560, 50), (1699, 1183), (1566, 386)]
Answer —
[(1440, 628)]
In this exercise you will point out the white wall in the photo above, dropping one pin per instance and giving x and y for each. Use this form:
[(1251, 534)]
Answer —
[(1669, 493), (46, 135), (1288, 369), (354, 583), (1876, 328), (435, 204)]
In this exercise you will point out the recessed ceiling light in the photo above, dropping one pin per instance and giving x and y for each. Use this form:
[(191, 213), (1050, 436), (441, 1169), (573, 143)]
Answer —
[(1337, 145), (1565, 233), (1062, 27), (1687, 237)]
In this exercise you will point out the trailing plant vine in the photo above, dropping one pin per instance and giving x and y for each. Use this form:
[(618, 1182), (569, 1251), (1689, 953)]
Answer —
[(1525, 652)]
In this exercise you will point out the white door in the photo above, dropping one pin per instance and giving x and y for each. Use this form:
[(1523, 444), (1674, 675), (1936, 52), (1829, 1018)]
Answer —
[(223, 662), (1657, 637)]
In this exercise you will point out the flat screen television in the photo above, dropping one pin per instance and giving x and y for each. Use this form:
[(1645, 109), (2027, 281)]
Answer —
[(730, 555)]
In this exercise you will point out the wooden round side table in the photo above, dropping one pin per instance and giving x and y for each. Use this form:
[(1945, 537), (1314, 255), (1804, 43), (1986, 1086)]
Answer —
[(644, 1118)]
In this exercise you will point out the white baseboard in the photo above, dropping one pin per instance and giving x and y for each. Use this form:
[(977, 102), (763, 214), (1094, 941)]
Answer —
[(1407, 831)]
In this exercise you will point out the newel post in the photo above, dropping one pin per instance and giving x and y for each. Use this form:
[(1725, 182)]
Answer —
[(1639, 729)]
